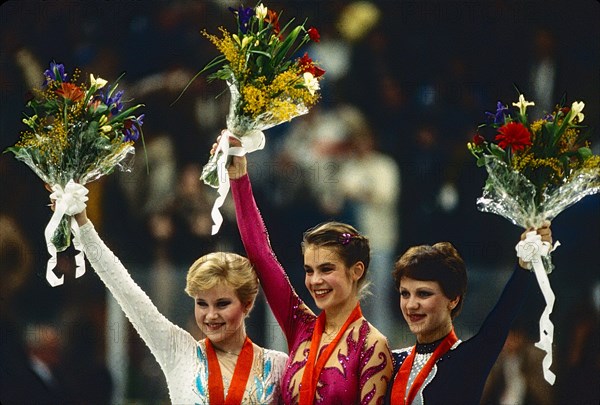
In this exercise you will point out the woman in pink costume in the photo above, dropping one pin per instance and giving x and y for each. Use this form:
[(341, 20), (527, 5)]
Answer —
[(336, 357)]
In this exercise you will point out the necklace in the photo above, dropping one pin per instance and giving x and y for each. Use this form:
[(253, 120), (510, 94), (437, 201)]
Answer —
[(231, 353), (328, 336)]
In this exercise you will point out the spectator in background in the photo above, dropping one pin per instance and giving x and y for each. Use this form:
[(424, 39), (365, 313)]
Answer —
[(369, 183), (45, 351), (191, 210), (581, 368), (23, 379), (517, 378)]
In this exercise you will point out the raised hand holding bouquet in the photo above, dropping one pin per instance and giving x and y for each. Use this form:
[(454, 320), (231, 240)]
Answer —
[(77, 133), (536, 169), (268, 85)]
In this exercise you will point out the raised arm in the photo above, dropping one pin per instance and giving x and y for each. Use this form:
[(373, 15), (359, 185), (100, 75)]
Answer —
[(162, 337), (288, 308), (495, 328)]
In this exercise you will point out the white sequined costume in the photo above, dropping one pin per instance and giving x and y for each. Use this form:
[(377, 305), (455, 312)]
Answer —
[(181, 358)]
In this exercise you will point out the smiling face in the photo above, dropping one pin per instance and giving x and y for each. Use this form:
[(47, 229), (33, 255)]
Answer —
[(332, 285), (220, 316), (426, 309)]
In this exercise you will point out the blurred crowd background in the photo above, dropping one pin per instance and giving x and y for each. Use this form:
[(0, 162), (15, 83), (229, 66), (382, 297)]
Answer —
[(407, 84)]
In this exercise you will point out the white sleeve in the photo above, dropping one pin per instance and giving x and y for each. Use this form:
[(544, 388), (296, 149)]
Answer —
[(166, 340)]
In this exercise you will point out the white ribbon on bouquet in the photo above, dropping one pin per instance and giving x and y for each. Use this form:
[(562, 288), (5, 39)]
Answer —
[(531, 250), (251, 141), (70, 200)]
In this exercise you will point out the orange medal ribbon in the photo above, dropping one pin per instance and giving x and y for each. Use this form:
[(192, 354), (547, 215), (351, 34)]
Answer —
[(312, 371), (399, 388), (241, 373)]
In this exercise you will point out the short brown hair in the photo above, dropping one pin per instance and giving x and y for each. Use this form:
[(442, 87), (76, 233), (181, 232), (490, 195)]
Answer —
[(222, 267), (440, 262)]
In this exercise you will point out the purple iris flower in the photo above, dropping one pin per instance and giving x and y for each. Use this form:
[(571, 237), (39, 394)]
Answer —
[(549, 117), (132, 128), (56, 72), (498, 117), (244, 15), (113, 101)]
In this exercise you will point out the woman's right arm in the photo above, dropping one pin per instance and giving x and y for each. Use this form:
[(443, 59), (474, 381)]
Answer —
[(287, 307), (161, 336)]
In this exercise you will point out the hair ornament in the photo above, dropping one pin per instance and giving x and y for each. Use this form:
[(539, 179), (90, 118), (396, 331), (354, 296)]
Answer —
[(345, 238)]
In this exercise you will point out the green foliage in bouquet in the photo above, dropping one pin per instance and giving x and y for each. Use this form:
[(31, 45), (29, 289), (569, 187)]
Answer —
[(540, 165), (76, 131)]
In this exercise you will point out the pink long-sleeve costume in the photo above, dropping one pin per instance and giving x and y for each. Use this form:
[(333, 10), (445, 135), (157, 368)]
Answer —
[(358, 370)]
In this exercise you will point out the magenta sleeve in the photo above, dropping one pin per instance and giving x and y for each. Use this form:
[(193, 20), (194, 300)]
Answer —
[(289, 310)]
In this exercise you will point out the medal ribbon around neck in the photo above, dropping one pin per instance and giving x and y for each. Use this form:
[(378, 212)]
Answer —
[(241, 373), (312, 371), (399, 388)]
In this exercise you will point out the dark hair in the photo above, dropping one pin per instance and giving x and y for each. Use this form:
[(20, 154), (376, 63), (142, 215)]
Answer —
[(440, 262), (345, 240)]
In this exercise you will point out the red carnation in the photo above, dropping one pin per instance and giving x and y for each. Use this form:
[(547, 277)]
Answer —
[(478, 139), (314, 34), (514, 135)]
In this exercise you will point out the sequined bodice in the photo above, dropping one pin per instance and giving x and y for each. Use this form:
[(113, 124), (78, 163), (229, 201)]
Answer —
[(340, 381)]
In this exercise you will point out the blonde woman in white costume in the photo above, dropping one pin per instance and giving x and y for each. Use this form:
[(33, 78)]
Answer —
[(225, 367)]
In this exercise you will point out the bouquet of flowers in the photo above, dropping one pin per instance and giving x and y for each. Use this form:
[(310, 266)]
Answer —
[(268, 85), (77, 133), (536, 169)]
